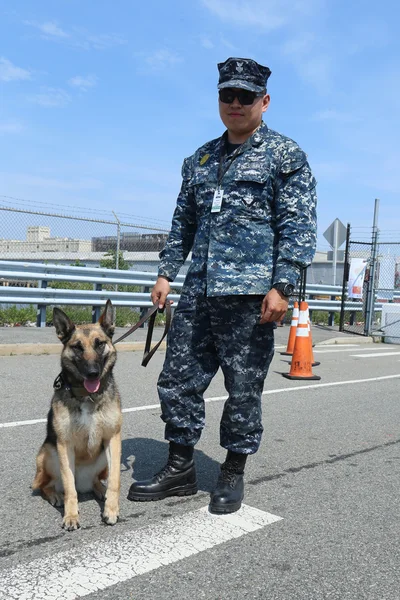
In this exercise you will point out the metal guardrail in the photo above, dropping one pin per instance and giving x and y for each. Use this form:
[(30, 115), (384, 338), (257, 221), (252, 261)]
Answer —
[(39, 271), (44, 296)]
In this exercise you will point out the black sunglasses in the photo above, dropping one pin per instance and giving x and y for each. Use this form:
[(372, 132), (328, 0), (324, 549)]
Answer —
[(227, 96)]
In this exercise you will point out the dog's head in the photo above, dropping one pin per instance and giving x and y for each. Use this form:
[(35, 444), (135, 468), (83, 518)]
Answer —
[(88, 354)]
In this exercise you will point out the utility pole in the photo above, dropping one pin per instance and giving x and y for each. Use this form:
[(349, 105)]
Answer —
[(370, 303), (118, 245)]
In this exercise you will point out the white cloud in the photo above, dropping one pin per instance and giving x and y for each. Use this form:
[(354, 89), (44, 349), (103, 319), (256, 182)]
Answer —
[(51, 98), (49, 29), (206, 42), (265, 14), (299, 45), (227, 44), (310, 59), (83, 82), (9, 72), (101, 41), (11, 127), (77, 37), (163, 58)]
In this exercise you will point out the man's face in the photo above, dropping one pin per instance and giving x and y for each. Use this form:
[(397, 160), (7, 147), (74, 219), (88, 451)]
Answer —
[(242, 120)]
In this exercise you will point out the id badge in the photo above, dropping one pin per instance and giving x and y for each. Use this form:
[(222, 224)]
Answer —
[(217, 200)]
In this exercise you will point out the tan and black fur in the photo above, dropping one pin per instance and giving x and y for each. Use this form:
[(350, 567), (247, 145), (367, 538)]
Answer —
[(83, 443)]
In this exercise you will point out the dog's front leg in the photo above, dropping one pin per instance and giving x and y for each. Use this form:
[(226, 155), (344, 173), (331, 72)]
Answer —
[(113, 453), (66, 456)]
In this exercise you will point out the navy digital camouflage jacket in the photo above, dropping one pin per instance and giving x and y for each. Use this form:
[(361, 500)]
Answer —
[(266, 228)]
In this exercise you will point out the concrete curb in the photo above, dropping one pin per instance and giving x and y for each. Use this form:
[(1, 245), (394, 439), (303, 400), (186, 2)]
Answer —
[(359, 339), (38, 349)]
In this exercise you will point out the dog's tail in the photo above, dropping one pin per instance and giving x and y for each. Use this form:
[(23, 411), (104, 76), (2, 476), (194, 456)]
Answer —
[(42, 477)]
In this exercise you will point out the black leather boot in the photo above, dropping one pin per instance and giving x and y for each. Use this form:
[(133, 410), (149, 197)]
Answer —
[(228, 495), (177, 478)]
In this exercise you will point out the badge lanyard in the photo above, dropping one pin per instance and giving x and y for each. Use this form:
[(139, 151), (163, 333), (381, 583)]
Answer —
[(222, 170)]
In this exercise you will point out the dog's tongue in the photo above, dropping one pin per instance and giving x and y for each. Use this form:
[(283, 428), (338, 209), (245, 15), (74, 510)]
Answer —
[(91, 385)]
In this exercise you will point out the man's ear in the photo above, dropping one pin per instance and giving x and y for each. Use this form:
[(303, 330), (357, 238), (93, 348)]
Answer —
[(106, 320), (63, 324), (265, 102)]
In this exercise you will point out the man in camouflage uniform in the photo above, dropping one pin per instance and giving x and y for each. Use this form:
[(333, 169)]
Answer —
[(247, 210)]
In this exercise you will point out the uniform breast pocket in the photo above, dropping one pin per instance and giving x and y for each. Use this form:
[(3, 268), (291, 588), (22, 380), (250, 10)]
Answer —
[(203, 189), (252, 192)]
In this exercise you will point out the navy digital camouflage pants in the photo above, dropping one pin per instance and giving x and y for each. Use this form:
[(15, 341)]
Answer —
[(208, 333)]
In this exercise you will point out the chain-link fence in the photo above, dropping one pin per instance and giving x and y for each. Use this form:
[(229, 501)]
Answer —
[(371, 281), (370, 270), (355, 287), (49, 237), (387, 290)]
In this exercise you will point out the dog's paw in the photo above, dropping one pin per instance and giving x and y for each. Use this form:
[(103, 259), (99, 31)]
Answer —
[(56, 499), (70, 522), (110, 515)]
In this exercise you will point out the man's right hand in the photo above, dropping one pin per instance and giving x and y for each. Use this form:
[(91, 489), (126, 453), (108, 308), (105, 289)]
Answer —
[(160, 292)]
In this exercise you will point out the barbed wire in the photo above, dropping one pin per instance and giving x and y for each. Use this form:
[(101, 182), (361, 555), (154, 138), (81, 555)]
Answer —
[(37, 204)]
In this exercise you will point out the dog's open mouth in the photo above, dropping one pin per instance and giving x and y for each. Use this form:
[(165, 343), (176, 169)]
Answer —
[(91, 385)]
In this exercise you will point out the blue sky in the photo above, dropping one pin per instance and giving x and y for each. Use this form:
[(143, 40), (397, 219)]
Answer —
[(101, 101)]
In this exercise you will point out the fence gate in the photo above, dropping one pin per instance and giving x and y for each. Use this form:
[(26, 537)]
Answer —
[(371, 280), (357, 286)]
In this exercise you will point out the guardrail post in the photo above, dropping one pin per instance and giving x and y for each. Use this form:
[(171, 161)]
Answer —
[(143, 311), (41, 308), (310, 312), (96, 310), (331, 317)]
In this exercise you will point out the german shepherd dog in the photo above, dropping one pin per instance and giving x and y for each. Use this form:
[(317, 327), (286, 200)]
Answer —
[(83, 443)]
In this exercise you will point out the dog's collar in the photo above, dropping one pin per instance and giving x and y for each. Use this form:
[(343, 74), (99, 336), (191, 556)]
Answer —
[(60, 383), (78, 392)]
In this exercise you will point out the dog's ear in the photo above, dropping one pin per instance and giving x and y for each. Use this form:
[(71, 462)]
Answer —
[(106, 320), (63, 324)]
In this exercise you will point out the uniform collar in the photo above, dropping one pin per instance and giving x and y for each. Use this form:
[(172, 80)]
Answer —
[(254, 140)]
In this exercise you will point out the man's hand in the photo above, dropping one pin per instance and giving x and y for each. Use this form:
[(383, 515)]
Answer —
[(274, 306), (160, 292)]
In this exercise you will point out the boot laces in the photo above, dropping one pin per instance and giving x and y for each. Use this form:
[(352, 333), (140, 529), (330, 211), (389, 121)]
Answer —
[(166, 468), (229, 473)]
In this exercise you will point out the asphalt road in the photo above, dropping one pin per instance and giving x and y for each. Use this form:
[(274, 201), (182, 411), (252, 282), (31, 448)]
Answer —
[(328, 467)]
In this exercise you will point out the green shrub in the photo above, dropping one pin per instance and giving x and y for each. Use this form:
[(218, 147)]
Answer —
[(13, 315), (321, 317)]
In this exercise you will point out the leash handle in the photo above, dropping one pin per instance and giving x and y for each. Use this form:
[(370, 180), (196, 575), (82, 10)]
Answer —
[(147, 352), (151, 315)]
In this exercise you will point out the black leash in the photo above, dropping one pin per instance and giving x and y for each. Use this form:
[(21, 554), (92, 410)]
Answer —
[(151, 317)]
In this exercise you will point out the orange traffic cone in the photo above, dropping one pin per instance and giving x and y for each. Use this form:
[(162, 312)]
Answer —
[(300, 367), (292, 331), (314, 363)]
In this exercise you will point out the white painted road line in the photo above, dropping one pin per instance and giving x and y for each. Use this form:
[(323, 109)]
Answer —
[(79, 572), (374, 354), (333, 350), (223, 398), (337, 347)]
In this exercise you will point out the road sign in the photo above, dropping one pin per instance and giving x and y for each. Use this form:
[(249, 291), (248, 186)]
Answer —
[(341, 232)]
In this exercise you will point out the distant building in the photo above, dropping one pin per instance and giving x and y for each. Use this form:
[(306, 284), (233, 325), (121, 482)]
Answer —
[(37, 233), (38, 240), (131, 242)]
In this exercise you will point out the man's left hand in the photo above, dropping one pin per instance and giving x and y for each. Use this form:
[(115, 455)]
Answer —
[(274, 306)]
